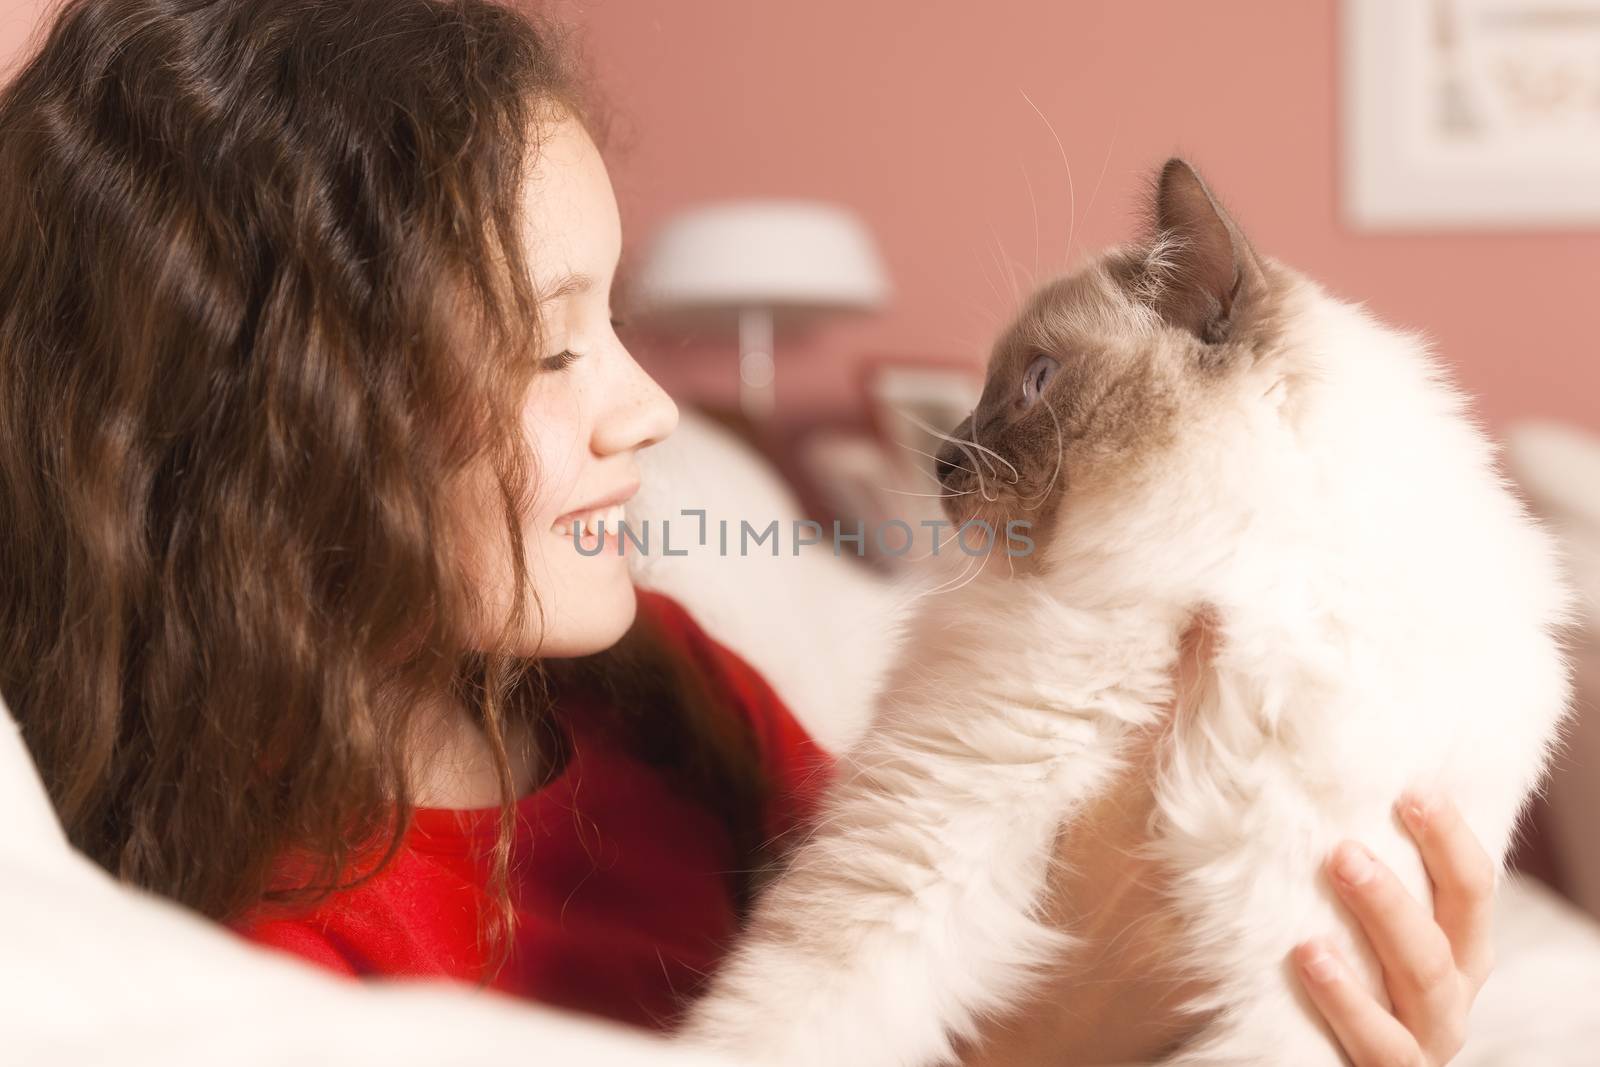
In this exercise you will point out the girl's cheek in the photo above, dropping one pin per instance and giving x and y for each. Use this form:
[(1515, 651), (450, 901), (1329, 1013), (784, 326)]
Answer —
[(552, 425)]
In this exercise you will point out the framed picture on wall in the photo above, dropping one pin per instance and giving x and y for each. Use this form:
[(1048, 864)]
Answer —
[(1471, 113)]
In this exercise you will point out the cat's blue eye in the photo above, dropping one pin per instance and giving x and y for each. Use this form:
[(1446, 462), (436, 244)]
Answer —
[(1036, 377)]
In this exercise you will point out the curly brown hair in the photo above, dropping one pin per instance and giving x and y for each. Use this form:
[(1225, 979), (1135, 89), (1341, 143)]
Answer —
[(263, 296)]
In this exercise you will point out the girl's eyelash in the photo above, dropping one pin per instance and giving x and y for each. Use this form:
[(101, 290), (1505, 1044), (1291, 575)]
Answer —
[(565, 359)]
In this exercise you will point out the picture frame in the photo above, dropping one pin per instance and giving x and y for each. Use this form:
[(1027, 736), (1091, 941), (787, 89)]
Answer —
[(1471, 114)]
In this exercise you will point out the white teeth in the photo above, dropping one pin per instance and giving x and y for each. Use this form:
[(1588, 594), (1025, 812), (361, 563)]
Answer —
[(589, 522)]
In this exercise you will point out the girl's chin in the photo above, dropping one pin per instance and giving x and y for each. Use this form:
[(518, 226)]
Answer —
[(592, 617)]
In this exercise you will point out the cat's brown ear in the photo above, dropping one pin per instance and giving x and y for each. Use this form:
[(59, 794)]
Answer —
[(1205, 270)]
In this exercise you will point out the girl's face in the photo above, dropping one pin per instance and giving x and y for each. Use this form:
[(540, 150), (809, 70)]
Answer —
[(587, 414)]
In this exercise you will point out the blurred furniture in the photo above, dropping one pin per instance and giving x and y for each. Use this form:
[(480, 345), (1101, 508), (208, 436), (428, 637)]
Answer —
[(759, 264), (786, 445), (1559, 467)]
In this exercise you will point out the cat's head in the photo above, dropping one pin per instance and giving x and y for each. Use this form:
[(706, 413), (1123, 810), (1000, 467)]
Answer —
[(1107, 373)]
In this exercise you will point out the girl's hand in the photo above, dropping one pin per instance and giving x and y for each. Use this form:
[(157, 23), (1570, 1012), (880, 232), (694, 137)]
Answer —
[(1433, 965)]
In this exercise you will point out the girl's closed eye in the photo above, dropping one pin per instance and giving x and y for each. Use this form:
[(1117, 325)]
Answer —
[(566, 358), (560, 361)]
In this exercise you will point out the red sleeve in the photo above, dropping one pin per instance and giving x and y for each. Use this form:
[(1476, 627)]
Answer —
[(796, 766)]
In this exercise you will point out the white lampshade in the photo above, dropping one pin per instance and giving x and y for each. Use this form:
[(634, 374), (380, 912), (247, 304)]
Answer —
[(784, 256)]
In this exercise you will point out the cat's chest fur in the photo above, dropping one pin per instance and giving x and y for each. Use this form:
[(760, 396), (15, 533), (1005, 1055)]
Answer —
[(1006, 710)]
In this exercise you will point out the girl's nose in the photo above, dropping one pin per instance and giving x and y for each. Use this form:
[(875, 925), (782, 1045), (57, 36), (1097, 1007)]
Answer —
[(639, 415)]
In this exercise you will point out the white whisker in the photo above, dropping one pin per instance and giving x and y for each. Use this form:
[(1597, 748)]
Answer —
[(1060, 444), (1072, 192), (1110, 146), (937, 545), (957, 440), (1033, 204), (998, 298), (1006, 264), (935, 496), (933, 457), (1015, 474)]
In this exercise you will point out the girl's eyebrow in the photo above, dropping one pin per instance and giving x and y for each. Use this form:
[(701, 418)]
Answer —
[(567, 285)]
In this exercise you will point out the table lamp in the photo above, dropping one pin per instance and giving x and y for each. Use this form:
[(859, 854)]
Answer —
[(760, 263)]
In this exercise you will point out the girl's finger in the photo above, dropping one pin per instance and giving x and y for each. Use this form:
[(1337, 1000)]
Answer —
[(1371, 1037), (1419, 968), (1463, 878)]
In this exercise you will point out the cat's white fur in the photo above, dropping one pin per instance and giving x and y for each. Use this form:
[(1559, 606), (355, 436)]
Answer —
[(1389, 618)]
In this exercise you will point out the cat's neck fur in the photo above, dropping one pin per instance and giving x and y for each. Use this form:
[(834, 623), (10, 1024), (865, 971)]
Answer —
[(1026, 663)]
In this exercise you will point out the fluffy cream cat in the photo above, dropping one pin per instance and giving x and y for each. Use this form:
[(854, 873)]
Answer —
[(1187, 424)]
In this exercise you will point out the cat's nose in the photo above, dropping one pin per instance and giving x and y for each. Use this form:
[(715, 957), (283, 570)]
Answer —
[(948, 461)]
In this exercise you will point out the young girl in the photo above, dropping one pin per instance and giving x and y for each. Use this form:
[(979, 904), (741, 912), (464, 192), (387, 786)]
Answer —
[(308, 374)]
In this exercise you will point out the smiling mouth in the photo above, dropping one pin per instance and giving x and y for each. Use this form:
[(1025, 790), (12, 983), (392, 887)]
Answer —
[(607, 509), (589, 522)]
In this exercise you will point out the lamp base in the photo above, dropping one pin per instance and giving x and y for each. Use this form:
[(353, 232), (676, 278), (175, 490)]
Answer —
[(757, 368)]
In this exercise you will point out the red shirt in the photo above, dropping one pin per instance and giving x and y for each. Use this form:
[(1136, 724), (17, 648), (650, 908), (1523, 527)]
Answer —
[(619, 880)]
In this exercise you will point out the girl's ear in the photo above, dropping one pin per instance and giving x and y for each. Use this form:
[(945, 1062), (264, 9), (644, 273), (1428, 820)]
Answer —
[(1208, 271)]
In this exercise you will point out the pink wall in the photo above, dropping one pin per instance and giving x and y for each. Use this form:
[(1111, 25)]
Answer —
[(912, 113)]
